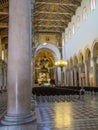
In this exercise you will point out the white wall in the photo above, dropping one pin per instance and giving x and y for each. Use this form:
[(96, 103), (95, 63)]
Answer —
[(85, 34)]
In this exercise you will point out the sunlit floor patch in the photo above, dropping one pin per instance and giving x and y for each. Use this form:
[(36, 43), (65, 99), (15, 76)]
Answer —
[(74, 115)]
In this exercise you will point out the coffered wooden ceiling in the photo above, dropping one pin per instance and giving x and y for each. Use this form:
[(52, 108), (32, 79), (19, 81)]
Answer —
[(4, 21), (53, 16), (48, 16)]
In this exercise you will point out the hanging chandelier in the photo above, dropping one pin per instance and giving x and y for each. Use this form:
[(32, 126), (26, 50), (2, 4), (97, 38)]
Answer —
[(61, 63)]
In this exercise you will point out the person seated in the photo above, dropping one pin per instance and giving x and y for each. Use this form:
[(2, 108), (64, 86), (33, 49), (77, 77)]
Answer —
[(82, 92)]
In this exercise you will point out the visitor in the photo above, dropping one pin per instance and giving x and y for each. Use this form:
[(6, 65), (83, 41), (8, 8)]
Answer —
[(82, 92)]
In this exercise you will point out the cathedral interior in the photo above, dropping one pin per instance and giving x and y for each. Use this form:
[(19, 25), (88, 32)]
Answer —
[(48, 64)]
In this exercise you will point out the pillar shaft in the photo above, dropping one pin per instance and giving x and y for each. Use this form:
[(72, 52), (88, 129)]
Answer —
[(71, 76), (94, 72), (75, 76), (86, 73), (19, 63), (79, 75)]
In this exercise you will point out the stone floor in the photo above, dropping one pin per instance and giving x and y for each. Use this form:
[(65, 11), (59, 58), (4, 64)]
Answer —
[(3, 103), (75, 114)]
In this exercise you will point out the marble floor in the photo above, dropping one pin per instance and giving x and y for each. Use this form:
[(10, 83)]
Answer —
[(75, 114)]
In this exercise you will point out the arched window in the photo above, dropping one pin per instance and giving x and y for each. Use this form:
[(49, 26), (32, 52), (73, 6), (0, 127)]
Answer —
[(84, 13), (78, 21), (73, 28), (92, 2)]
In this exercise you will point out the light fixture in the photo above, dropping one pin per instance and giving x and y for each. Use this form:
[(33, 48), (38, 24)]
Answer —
[(45, 43), (61, 63)]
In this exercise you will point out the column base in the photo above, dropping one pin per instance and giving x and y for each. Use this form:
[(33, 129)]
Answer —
[(18, 120)]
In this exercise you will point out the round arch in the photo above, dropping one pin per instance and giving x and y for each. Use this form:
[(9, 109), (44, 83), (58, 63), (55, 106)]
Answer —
[(51, 48), (80, 57), (75, 60), (87, 54), (94, 47), (55, 53)]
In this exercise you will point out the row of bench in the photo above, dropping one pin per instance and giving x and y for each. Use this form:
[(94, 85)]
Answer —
[(90, 90), (54, 94)]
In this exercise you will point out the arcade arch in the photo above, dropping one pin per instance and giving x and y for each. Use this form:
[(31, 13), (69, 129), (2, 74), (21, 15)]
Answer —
[(44, 64), (88, 79), (94, 73)]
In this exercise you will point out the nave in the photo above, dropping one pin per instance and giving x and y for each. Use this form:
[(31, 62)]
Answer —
[(75, 114)]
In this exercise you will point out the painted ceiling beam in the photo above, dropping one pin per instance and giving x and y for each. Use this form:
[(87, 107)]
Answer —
[(52, 20), (54, 26), (4, 4), (5, 40), (59, 3), (51, 12), (3, 25), (3, 31), (46, 30), (3, 13)]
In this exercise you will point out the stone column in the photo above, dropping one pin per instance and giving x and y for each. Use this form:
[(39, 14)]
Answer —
[(59, 75), (62, 75), (32, 73), (0, 64), (66, 73), (19, 64), (75, 76), (64, 70), (56, 81), (54, 69), (71, 76), (0, 48), (3, 66), (86, 73), (79, 75), (94, 71)]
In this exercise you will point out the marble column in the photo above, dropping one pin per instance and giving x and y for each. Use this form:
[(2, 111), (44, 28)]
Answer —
[(59, 75), (75, 76), (86, 73), (66, 73), (71, 79), (19, 64), (62, 75), (55, 74), (68, 77), (33, 72), (56, 81), (71, 76), (3, 65), (79, 75), (0, 64), (94, 71)]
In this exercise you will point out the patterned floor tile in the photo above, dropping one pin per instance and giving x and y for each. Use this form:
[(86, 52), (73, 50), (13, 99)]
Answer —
[(74, 115)]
